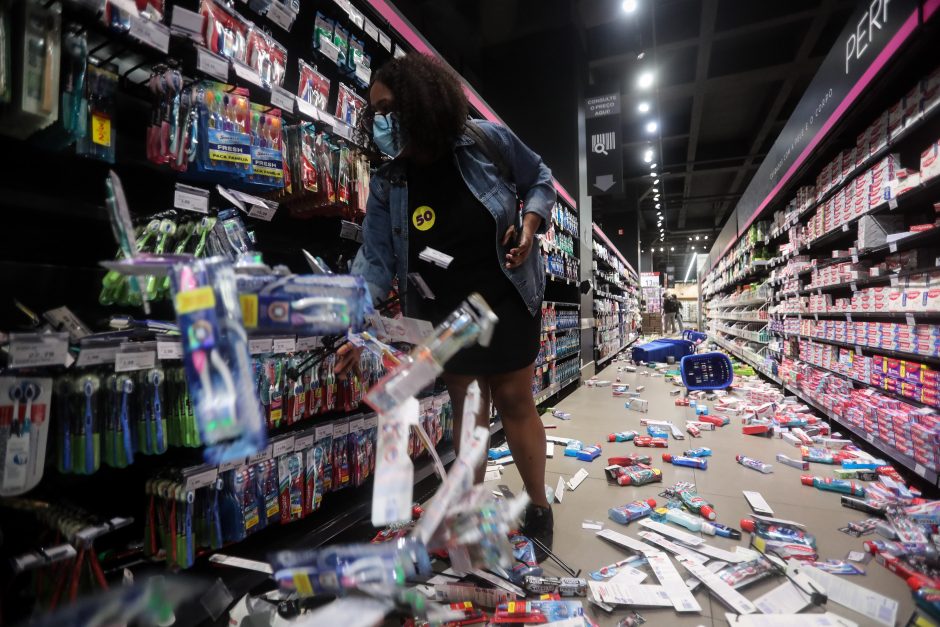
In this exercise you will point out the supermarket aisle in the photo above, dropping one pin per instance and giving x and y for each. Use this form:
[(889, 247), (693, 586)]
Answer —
[(595, 413)]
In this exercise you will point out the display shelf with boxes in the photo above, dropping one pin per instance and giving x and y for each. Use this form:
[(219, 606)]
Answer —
[(616, 298), (852, 228)]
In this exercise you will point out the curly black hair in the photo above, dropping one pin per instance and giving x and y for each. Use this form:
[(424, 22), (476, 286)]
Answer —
[(430, 102)]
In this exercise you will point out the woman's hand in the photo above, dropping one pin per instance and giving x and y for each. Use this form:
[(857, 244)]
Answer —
[(518, 254), (347, 358)]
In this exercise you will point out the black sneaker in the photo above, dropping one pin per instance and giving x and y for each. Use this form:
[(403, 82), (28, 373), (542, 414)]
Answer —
[(539, 525)]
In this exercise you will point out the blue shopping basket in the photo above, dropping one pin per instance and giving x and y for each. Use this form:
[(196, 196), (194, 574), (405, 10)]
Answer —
[(694, 336), (661, 349), (707, 371)]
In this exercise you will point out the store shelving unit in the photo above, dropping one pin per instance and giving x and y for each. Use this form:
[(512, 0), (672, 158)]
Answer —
[(559, 363), (835, 273), (51, 258), (616, 300)]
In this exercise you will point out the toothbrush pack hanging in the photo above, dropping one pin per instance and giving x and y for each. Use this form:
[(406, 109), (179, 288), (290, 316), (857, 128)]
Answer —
[(24, 426), (216, 359)]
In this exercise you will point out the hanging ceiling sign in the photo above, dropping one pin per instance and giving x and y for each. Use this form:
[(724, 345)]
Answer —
[(602, 138), (872, 36)]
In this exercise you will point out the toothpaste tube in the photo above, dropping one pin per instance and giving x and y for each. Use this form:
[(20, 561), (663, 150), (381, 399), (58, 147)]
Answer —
[(694, 503), (499, 452), (573, 447), (834, 485), (693, 430), (698, 452), (638, 475), (622, 436), (645, 440), (862, 464), (561, 415), (765, 430), (754, 464), (839, 567), (690, 462), (817, 455), (629, 460), (655, 431), (869, 507), (631, 511), (701, 425)]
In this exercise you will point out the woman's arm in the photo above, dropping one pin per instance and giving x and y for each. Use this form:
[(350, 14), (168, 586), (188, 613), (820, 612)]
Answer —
[(532, 177), (375, 260)]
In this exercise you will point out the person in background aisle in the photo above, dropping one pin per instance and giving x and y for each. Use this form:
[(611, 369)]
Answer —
[(670, 309), (454, 185), (679, 314)]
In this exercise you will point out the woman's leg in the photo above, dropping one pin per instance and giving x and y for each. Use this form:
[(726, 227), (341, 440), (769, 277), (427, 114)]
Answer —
[(457, 388), (512, 395)]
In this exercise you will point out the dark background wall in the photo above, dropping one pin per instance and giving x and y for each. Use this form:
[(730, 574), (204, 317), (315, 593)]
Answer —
[(521, 56)]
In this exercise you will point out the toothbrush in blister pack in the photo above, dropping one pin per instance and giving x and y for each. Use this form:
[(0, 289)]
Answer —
[(216, 360)]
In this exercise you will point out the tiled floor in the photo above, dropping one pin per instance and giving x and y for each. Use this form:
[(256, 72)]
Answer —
[(595, 413)]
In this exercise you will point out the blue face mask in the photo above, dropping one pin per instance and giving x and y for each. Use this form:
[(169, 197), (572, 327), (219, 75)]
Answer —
[(385, 134)]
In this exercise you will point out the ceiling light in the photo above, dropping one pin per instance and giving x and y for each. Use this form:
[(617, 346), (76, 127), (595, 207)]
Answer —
[(660, 249), (656, 197), (658, 206), (648, 155), (656, 182), (645, 80), (653, 166), (672, 248), (655, 190), (691, 265), (690, 239), (651, 126), (706, 237), (629, 6), (641, 55), (643, 107), (696, 238)]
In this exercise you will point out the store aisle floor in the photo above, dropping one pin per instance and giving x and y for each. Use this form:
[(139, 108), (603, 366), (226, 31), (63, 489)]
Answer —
[(595, 413)]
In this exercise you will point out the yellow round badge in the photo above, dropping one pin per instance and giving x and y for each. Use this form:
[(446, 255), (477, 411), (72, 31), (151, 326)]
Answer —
[(423, 218)]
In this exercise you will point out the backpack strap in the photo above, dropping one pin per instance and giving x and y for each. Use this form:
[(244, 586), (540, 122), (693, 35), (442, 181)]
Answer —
[(489, 149)]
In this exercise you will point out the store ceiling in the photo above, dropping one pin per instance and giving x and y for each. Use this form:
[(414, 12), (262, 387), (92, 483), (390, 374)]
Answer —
[(728, 73)]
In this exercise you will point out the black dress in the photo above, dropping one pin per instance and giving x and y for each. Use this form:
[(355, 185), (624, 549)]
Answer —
[(446, 216)]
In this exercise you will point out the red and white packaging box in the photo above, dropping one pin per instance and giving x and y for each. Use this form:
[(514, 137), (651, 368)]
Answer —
[(930, 162)]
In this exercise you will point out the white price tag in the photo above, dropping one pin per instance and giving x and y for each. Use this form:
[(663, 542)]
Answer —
[(920, 470), (30, 350), (385, 41), (308, 343), (356, 17), (893, 247), (848, 317), (284, 345), (281, 98), (169, 350), (858, 350), (893, 204), (321, 432), (260, 345), (187, 22), (399, 52), (909, 318), (340, 429), (211, 64), (370, 29), (306, 109), (357, 425), (854, 286), (854, 258), (96, 356), (232, 464), (202, 479), (371, 422), (845, 228), (303, 442), (265, 213), (329, 50), (363, 73), (152, 33), (282, 447), (260, 456), (281, 15), (894, 281), (191, 198), (141, 360), (869, 437), (247, 74)]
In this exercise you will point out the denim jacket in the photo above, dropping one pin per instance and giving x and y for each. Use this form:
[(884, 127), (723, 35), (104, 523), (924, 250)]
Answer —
[(384, 252)]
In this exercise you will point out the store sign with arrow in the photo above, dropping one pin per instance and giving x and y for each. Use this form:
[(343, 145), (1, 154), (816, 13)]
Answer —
[(602, 137)]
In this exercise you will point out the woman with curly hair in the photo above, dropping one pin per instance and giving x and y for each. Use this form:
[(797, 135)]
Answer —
[(453, 186)]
